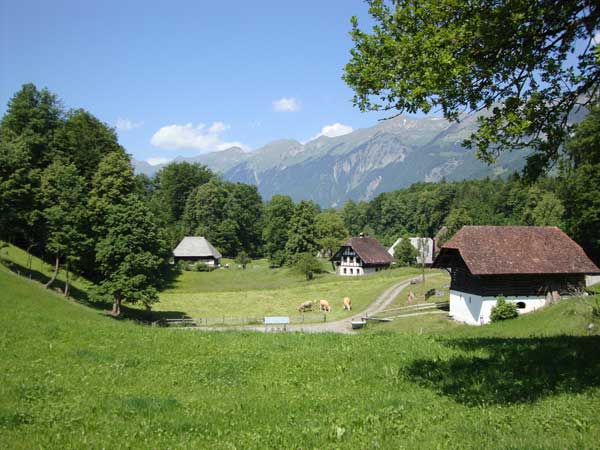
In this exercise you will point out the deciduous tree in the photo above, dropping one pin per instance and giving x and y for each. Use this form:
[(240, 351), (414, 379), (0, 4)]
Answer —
[(528, 63)]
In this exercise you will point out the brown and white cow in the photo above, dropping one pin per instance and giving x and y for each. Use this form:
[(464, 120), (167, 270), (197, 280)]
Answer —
[(347, 304), (324, 305), (305, 306)]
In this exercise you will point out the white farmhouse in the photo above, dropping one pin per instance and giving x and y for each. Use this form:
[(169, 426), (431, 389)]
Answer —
[(529, 266), (360, 256)]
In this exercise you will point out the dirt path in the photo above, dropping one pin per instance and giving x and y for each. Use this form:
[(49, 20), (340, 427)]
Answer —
[(337, 326)]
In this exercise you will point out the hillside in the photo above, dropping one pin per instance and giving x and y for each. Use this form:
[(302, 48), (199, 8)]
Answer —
[(390, 155), (72, 378)]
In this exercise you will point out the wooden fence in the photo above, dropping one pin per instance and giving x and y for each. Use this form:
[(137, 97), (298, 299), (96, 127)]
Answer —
[(221, 321)]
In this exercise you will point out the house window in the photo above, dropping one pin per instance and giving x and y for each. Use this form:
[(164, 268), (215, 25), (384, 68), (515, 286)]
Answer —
[(521, 305), (351, 271), (344, 270)]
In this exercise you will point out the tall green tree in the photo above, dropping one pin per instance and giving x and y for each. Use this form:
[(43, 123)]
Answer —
[(85, 141), (302, 233), (530, 63), (64, 198), (112, 183), (17, 193), (132, 255), (175, 181), (33, 116), (355, 216), (458, 218), (330, 230), (580, 184), (404, 253), (278, 213)]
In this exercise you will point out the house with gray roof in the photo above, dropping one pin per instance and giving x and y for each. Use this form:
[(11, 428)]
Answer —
[(197, 249)]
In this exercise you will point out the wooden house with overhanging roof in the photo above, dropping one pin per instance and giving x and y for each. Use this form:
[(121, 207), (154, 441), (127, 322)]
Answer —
[(197, 249), (360, 256), (529, 266)]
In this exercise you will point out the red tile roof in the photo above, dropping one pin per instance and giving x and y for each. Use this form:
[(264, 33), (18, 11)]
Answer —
[(369, 249), (489, 250)]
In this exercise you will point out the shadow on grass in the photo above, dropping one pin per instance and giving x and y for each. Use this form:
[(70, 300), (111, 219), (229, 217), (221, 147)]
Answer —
[(86, 298), (506, 371)]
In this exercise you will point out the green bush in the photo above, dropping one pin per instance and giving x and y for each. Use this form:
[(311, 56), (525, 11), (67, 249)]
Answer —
[(307, 265), (503, 310), (596, 307), (202, 267)]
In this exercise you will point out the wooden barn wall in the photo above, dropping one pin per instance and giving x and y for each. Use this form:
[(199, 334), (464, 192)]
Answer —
[(515, 285)]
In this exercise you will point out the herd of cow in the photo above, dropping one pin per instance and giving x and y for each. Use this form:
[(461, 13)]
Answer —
[(323, 305)]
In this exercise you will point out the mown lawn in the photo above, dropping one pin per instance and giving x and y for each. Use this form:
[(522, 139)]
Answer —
[(72, 378)]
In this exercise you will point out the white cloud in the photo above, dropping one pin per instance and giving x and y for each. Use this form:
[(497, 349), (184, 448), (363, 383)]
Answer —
[(218, 127), (158, 160), (596, 38), (124, 124), (333, 130), (189, 137), (286, 104)]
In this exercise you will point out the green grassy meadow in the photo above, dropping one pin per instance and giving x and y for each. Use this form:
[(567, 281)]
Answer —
[(259, 291), (73, 378)]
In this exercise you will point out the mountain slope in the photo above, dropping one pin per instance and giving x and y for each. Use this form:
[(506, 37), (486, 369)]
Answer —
[(390, 155)]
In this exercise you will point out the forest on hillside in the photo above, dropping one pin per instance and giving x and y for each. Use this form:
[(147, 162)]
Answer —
[(68, 194)]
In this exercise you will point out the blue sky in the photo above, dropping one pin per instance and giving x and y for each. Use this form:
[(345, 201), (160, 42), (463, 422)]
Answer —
[(187, 77)]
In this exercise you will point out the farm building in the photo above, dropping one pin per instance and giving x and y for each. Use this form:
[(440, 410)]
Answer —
[(424, 247), (197, 249), (360, 256), (529, 266)]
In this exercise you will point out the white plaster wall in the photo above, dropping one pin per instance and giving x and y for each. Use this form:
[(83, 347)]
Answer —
[(476, 310), (356, 270), (591, 280)]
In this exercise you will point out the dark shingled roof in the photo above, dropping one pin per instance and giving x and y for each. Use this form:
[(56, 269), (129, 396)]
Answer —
[(369, 249), (491, 250)]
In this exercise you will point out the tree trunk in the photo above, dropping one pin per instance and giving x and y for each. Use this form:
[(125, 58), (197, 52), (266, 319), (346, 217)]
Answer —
[(116, 309), (66, 292), (29, 259), (55, 274)]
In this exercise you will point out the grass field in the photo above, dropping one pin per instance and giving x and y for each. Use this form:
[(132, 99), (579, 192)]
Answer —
[(260, 291), (72, 378), (255, 292)]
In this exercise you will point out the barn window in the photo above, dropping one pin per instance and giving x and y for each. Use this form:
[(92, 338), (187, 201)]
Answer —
[(521, 305)]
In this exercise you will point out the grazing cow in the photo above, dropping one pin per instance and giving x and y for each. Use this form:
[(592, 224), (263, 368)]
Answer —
[(324, 305), (306, 306), (411, 297), (347, 304)]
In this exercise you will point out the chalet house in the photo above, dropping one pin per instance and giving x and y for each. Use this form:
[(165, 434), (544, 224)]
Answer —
[(360, 256), (197, 249), (529, 266), (423, 246)]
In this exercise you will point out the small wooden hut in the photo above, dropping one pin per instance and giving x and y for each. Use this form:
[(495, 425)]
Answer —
[(197, 249)]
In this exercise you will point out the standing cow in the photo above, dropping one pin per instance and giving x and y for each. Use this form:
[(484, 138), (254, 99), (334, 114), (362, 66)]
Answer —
[(347, 304), (324, 305), (306, 306)]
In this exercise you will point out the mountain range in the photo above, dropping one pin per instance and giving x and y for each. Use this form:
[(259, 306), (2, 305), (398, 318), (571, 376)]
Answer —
[(360, 165)]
